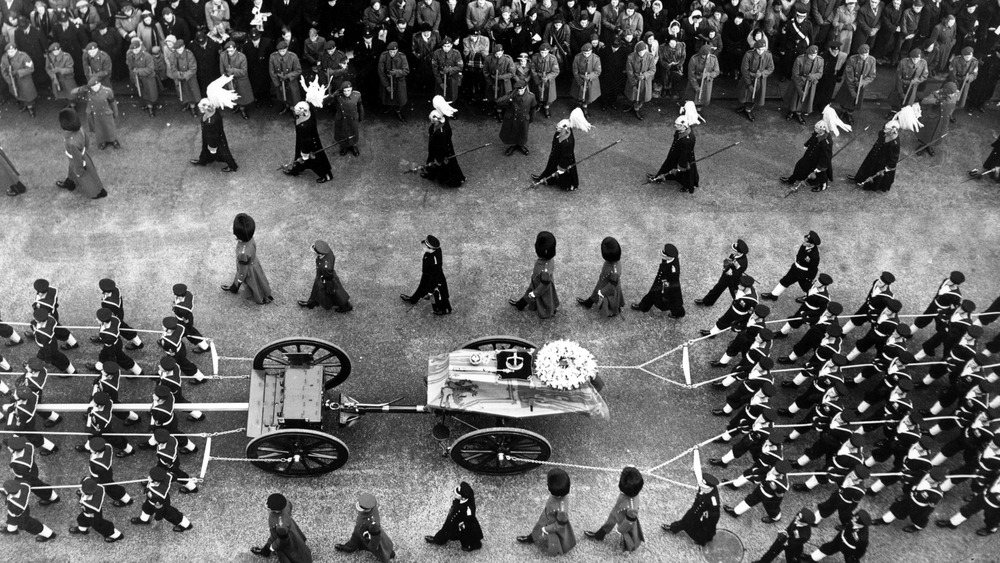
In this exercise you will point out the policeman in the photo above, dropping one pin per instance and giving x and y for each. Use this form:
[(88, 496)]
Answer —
[(102, 456), (111, 344), (743, 304), (919, 504), (91, 513), (769, 492), (876, 300), (881, 330), (22, 464), (733, 269), (19, 514), (940, 303), (700, 521), (157, 503), (986, 501), (793, 539), (167, 451), (816, 300), (183, 309), (172, 342), (111, 298), (803, 270), (851, 541), (367, 533), (23, 419)]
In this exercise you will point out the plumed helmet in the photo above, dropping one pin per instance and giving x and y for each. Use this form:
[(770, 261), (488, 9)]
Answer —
[(630, 483), (244, 227), (69, 120), (558, 482), (611, 250), (545, 245)]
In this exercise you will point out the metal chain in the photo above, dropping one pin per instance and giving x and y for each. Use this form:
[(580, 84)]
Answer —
[(572, 465), (269, 460)]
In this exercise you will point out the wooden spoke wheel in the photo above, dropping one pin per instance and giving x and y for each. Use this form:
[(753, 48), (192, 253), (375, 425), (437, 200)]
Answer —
[(315, 452), (499, 342), (305, 352), (479, 451)]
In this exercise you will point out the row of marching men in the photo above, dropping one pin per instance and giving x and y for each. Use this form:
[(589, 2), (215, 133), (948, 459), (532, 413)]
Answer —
[(19, 402), (965, 410)]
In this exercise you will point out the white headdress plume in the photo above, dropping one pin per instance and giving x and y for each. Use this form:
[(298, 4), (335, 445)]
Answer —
[(315, 92), (218, 95), (689, 115), (833, 122), (909, 118), (442, 107), (576, 121)]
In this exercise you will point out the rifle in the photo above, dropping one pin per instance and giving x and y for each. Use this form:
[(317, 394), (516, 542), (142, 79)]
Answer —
[(13, 80), (55, 76), (314, 153), (571, 166), (180, 91), (701, 87), (909, 89), (753, 93), (880, 173), (496, 83), (392, 87), (138, 87), (798, 185), (857, 95), (422, 167), (661, 176)]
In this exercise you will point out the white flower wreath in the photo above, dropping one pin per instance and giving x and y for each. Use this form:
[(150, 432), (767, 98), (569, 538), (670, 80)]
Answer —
[(562, 364)]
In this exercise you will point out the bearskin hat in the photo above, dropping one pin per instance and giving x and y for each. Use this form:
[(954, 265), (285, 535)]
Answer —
[(244, 227), (630, 482), (545, 245), (558, 482), (611, 251)]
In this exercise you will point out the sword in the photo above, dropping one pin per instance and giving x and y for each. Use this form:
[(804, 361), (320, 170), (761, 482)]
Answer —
[(880, 173), (422, 167), (574, 165), (798, 185), (330, 146), (976, 177), (9, 163), (661, 176)]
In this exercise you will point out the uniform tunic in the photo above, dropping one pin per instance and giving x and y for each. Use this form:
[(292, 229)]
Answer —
[(102, 108), (250, 273), (805, 74), (307, 141), (392, 73), (518, 112), (640, 68), (347, 114), (17, 74), (143, 70), (882, 155), (461, 524), (963, 73), (544, 71), (681, 155), (618, 515), (665, 293), (907, 73), (752, 65), (441, 168), (60, 70), (327, 290), (700, 520), (818, 156), (701, 66), (583, 66), (497, 73), (235, 65), (858, 74), (547, 521), (285, 72), (184, 70), (609, 284), (936, 117), (213, 135), (99, 65), (334, 69), (82, 172), (543, 285), (447, 71), (561, 157), (379, 544)]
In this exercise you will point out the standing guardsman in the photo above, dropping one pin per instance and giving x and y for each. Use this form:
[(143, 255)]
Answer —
[(17, 68), (60, 68), (234, 63), (392, 72), (586, 86), (142, 71), (285, 69), (183, 69), (544, 70), (447, 66)]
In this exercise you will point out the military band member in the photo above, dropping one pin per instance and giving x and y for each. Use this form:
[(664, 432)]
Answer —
[(665, 293), (309, 152), (541, 295), (561, 170), (367, 533), (25, 469), (586, 85), (806, 72), (285, 69), (60, 68), (700, 521), (910, 74), (733, 269), (19, 514), (17, 69), (681, 164), (461, 523), (348, 113), (640, 68), (10, 179), (142, 71), (859, 72), (518, 108), (101, 458), (392, 72), (234, 63), (92, 514), (82, 170), (851, 541), (769, 492), (432, 281), (986, 501), (157, 502), (803, 270), (544, 70), (791, 540), (756, 66), (744, 302)]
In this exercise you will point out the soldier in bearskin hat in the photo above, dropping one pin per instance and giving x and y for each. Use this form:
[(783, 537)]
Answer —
[(461, 523), (249, 272), (630, 484), (82, 170), (553, 531), (541, 294), (608, 291)]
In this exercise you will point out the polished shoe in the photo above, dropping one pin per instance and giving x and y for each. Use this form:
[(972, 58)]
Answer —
[(43, 539), (136, 521), (196, 162), (185, 491), (192, 418), (76, 531), (697, 301), (730, 510), (231, 288), (786, 180), (514, 302), (669, 528), (820, 188), (96, 340), (81, 448), (110, 539), (750, 116), (11, 343), (986, 531), (800, 487), (116, 145), (228, 169), (69, 347), (911, 529), (637, 115), (102, 146), (429, 539), (343, 151), (524, 150), (769, 296), (635, 307), (48, 502), (324, 179), (800, 299), (536, 178), (525, 539), (945, 523), (5, 531), (509, 150), (850, 177), (785, 360), (584, 302), (46, 452), (181, 529), (119, 504), (717, 462), (717, 364), (718, 385), (769, 520), (131, 422), (442, 313), (404, 297), (594, 535), (930, 151), (704, 332), (400, 116), (51, 423), (283, 111), (800, 119), (779, 335), (243, 112), (304, 303), (788, 116), (879, 522), (355, 151)]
